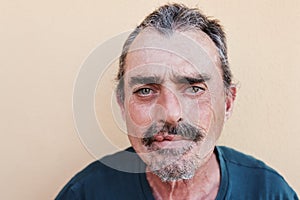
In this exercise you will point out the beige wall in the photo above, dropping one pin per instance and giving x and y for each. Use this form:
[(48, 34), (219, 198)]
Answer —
[(43, 43)]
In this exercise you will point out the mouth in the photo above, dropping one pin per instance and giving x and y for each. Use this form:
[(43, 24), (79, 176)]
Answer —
[(160, 137), (169, 136), (165, 140)]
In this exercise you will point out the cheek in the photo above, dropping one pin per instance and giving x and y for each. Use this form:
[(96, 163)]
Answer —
[(200, 113), (205, 114), (138, 115)]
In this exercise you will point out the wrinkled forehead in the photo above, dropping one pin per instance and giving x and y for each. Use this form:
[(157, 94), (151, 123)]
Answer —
[(187, 53)]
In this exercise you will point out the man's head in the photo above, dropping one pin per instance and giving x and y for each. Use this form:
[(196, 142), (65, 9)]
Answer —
[(175, 89), (177, 17)]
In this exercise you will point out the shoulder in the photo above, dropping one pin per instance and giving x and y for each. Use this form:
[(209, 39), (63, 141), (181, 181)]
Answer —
[(96, 180), (235, 157), (251, 175)]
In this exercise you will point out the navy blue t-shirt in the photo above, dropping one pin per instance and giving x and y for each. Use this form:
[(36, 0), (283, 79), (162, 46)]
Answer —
[(242, 177)]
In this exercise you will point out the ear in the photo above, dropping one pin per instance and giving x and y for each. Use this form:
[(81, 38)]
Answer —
[(229, 101)]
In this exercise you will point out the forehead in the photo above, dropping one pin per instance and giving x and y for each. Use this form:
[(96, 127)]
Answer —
[(188, 52)]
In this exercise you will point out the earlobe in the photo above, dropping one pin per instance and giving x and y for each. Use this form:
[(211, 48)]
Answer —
[(229, 102)]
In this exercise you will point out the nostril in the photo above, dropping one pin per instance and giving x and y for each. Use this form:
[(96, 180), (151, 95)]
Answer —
[(173, 131)]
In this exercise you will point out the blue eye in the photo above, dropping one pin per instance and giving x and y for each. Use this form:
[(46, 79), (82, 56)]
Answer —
[(195, 90), (144, 91)]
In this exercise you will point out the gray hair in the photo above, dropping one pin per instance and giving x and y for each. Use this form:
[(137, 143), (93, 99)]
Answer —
[(178, 17)]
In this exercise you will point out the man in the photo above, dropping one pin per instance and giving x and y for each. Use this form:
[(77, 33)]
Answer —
[(175, 92)]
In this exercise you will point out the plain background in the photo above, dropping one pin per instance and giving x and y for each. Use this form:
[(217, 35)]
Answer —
[(42, 46)]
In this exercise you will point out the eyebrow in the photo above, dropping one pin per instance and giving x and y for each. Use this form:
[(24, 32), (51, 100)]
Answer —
[(192, 80), (136, 80), (144, 80)]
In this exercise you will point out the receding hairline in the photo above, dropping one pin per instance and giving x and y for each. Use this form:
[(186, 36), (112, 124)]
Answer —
[(175, 16), (197, 36)]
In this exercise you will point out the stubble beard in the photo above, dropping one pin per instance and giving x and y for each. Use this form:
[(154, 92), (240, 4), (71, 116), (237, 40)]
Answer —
[(180, 162), (174, 164)]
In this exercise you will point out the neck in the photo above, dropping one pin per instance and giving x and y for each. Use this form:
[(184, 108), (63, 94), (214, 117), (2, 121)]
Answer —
[(204, 184)]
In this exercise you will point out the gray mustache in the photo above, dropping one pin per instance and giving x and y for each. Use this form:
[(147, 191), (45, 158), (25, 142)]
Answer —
[(186, 130)]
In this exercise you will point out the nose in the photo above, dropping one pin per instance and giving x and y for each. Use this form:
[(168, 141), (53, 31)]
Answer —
[(171, 105)]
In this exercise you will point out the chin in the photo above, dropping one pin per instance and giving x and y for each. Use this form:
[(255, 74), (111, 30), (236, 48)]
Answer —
[(173, 164), (180, 169)]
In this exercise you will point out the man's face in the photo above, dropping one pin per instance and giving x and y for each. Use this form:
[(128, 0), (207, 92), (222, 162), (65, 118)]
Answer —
[(174, 103)]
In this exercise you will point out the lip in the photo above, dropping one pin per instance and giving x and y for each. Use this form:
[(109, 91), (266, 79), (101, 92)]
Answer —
[(163, 137), (174, 143)]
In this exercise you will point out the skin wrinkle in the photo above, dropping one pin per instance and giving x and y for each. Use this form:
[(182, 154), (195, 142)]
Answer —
[(161, 80), (177, 17), (187, 42), (205, 111), (207, 41)]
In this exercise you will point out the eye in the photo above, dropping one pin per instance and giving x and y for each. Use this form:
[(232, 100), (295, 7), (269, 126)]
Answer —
[(195, 90), (144, 92)]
